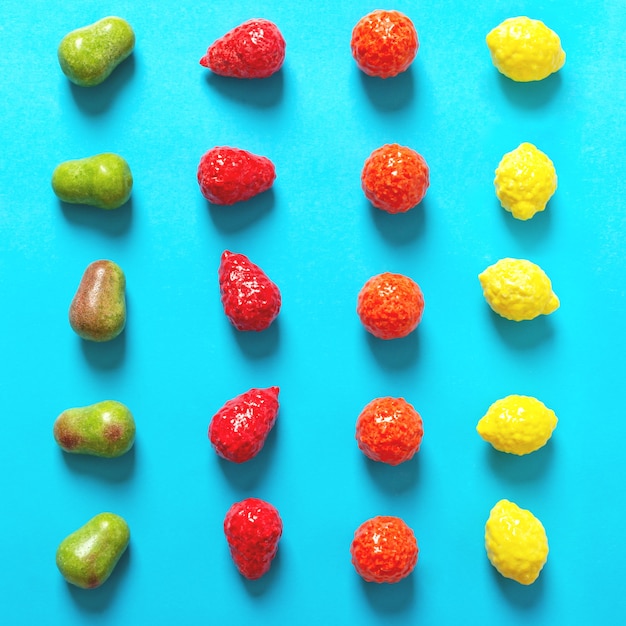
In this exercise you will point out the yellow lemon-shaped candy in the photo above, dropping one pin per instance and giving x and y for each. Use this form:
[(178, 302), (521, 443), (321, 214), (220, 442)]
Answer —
[(525, 49), (517, 424), (525, 181), (518, 289), (516, 542)]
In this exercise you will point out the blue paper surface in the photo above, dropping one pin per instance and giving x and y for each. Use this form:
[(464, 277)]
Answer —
[(319, 239)]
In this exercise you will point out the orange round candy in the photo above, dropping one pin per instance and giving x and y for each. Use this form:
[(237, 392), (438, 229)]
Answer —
[(395, 178), (390, 305), (384, 550), (384, 43), (389, 430)]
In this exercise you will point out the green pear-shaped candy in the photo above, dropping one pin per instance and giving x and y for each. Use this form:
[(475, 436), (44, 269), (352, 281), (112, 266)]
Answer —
[(103, 429), (98, 309), (103, 180), (87, 557), (89, 54)]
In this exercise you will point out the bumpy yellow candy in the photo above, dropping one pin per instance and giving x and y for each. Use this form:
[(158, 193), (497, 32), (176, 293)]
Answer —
[(525, 50), (525, 181), (518, 289), (516, 542), (517, 424)]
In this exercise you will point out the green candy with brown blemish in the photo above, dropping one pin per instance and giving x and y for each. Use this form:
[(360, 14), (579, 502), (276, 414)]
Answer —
[(104, 429), (88, 556), (102, 180), (98, 309), (89, 54)]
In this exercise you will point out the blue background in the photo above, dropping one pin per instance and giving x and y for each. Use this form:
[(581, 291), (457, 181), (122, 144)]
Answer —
[(318, 238)]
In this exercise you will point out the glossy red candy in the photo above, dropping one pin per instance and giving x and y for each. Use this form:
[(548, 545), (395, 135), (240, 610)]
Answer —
[(253, 529), (254, 49), (251, 300), (384, 550), (395, 178), (239, 429), (384, 43), (228, 175)]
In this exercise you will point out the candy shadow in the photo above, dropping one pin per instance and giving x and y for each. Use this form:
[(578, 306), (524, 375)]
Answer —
[(391, 598), (105, 355), (261, 344), (521, 469), (389, 94), (523, 335), (524, 597), (98, 99), (401, 228), (114, 222), (532, 95), (529, 232), (395, 354), (114, 470), (237, 217), (245, 477), (394, 479), (100, 599), (262, 93)]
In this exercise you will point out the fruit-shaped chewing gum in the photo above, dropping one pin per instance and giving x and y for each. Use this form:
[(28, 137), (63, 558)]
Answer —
[(254, 49), (239, 429), (390, 306), (525, 181), (518, 289), (524, 49), (87, 557), (103, 180), (384, 549), (251, 300), (229, 175), (98, 309), (517, 424), (89, 54), (395, 178), (253, 529), (384, 43), (389, 430), (516, 542), (105, 429)]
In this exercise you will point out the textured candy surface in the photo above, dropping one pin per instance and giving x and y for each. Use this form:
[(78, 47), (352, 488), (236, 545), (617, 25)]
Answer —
[(517, 424), (228, 175), (395, 178), (525, 181), (251, 300), (239, 429), (518, 289), (524, 49), (389, 430), (384, 43), (384, 550), (390, 306), (254, 49), (516, 542), (253, 529)]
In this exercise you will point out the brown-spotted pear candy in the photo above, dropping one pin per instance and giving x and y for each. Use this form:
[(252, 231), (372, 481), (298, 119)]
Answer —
[(89, 54), (87, 557), (103, 180), (98, 310), (104, 429)]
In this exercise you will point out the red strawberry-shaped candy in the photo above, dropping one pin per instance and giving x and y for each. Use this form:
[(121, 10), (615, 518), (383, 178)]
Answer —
[(228, 175), (254, 49), (253, 528), (239, 429), (251, 300)]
